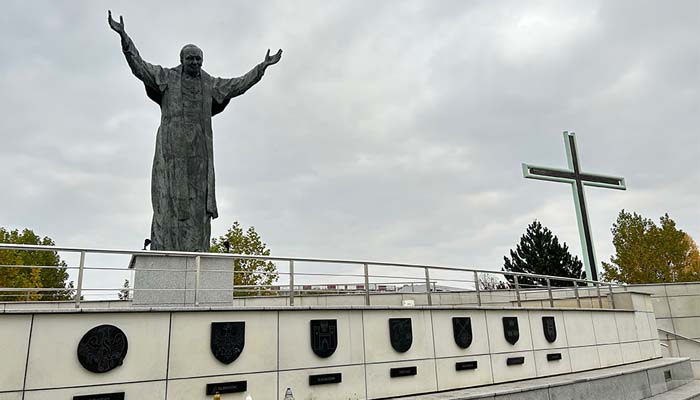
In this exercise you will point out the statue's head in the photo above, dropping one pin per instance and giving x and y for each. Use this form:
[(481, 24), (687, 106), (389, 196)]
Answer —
[(191, 58)]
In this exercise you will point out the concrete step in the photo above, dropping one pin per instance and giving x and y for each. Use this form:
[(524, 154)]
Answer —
[(636, 381), (690, 391)]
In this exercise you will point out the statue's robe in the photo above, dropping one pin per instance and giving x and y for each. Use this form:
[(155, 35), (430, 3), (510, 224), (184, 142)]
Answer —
[(182, 180)]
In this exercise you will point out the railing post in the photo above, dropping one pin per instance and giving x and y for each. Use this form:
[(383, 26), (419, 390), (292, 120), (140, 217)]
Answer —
[(427, 286), (600, 299), (578, 299), (198, 265), (478, 289), (291, 282), (233, 279), (612, 297), (549, 291), (517, 289), (367, 301), (79, 290)]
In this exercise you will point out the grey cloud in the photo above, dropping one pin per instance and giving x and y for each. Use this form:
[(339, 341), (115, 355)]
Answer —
[(390, 130)]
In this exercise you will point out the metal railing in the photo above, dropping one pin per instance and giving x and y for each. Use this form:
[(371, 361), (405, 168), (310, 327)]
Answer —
[(674, 350), (512, 287), (669, 333)]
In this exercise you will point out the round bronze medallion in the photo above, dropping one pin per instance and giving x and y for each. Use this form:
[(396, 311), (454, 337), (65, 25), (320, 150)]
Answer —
[(102, 348)]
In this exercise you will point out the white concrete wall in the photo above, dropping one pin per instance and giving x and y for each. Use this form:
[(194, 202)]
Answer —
[(53, 363), (677, 310), (14, 342), (169, 354)]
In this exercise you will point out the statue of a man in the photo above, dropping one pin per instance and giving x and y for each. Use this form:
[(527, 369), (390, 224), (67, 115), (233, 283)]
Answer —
[(182, 180)]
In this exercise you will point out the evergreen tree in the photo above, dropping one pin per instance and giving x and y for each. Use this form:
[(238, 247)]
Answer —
[(539, 252), (12, 276), (248, 272)]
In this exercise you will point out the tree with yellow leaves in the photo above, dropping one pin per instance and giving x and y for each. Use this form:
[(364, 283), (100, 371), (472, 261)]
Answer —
[(650, 253), (22, 269), (256, 275)]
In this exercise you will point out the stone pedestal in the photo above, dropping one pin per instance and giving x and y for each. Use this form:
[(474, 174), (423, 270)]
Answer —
[(171, 281)]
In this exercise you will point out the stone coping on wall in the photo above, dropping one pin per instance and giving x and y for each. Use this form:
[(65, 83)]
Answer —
[(662, 284), (119, 306), (87, 309)]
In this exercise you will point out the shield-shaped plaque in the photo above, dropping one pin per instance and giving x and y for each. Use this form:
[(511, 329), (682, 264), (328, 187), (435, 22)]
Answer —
[(324, 337), (550, 329), (401, 334), (462, 329), (511, 330), (227, 340)]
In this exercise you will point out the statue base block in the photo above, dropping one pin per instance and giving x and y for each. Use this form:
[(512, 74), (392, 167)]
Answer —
[(172, 281)]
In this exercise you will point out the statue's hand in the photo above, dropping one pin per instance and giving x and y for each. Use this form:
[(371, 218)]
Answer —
[(270, 60), (116, 26)]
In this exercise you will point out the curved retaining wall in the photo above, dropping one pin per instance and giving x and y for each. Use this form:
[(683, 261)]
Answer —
[(170, 354)]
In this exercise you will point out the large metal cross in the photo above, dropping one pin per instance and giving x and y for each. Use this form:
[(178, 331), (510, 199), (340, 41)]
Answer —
[(577, 179)]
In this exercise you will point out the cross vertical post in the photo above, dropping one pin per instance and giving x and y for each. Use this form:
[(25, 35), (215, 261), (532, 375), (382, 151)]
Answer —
[(578, 180)]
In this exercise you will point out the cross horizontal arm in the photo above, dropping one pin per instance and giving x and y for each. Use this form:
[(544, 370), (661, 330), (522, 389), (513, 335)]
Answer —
[(606, 181), (548, 174), (568, 176)]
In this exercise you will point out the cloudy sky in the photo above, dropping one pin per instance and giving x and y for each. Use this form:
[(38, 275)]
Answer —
[(390, 130)]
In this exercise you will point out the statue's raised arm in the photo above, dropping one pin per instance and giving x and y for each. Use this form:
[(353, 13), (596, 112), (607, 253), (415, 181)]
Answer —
[(116, 26), (151, 75), (269, 60), (225, 89)]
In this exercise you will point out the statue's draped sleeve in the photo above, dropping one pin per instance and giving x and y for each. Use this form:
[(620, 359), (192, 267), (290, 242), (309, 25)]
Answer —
[(224, 89), (154, 77)]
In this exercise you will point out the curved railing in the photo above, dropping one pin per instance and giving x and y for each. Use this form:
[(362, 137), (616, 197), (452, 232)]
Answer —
[(516, 288)]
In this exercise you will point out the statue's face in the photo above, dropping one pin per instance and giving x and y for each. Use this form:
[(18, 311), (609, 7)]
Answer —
[(192, 60)]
